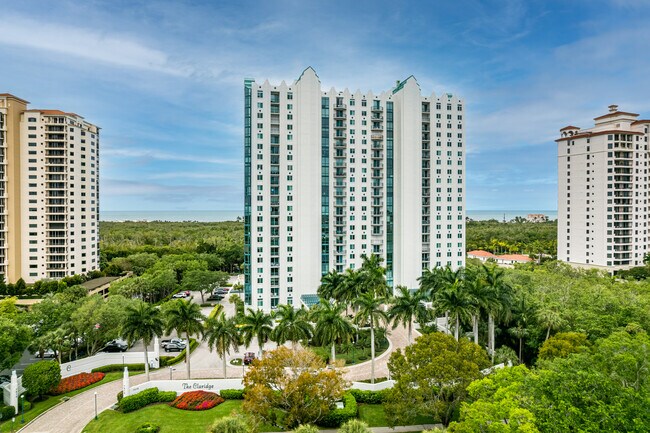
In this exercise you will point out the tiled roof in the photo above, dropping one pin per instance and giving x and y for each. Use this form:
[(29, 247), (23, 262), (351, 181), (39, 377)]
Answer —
[(481, 253), (515, 257)]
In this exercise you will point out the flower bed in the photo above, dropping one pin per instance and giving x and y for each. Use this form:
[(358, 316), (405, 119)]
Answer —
[(76, 382), (197, 400)]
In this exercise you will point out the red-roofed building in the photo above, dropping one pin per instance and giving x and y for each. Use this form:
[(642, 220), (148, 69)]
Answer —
[(483, 256), (511, 259)]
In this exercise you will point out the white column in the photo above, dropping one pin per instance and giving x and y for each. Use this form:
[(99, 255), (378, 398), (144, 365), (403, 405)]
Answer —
[(155, 362), (13, 391), (125, 383)]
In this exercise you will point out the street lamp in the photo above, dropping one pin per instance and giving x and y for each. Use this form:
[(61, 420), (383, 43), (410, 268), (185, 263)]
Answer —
[(171, 369), (95, 406), (22, 409)]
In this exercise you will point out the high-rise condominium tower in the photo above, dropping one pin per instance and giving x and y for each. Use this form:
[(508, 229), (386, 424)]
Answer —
[(603, 207), (49, 192), (331, 176)]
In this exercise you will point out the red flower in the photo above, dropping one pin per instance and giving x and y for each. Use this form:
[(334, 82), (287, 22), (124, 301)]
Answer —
[(197, 400), (76, 382)]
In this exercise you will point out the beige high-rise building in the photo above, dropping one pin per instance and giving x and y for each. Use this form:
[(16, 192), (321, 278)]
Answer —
[(49, 192), (603, 202)]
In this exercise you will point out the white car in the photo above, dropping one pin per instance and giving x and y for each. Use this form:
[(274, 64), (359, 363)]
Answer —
[(49, 353)]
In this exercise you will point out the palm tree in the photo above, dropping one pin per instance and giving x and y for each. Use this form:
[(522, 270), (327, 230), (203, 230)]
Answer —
[(480, 298), (292, 325), (549, 317), (523, 313), (258, 324), (330, 285), (142, 322), (374, 275), (185, 316), (406, 307), (370, 312), (456, 301), (331, 326), (352, 288), (222, 335), (498, 302), (431, 281)]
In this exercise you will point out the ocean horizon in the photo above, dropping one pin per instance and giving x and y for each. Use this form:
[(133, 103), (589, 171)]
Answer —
[(232, 215)]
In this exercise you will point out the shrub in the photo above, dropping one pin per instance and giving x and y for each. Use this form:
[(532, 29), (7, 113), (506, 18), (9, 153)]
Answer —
[(120, 396), (76, 382), (354, 426), (118, 367), (6, 412), (41, 376), (148, 427), (27, 405), (197, 400), (306, 429), (232, 394), (139, 400), (230, 424), (339, 416), (370, 397), (166, 396)]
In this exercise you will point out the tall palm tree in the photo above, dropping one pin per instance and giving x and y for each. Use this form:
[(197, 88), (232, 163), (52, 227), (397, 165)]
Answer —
[(457, 302), (257, 324), (292, 325), (185, 316), (523, 313), (370, 312), (352, 288), (479, 297), (549, 317), (142, 322), (222, 335), (330, 284), (407, 306), (374, 275), (331, 326), (431, 281), (499, 300)]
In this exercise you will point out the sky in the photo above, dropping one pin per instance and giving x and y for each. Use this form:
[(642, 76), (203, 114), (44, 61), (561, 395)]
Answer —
[(164, 80)]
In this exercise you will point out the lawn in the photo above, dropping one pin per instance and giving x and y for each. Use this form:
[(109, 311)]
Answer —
[(41, 406), (374, 416), (351, 355), (170, 420), (177, 421)]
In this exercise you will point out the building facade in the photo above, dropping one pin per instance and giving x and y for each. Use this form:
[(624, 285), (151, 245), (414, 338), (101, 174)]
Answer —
[(603, 209), (50, 199), (332, 175)]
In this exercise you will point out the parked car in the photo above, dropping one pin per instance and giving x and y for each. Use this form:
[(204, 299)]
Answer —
[(179, 341), (174, 347), (249, 357), (48, 353), (115, 346)]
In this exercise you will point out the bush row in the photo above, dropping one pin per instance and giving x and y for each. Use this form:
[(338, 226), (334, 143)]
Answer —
[(232, 394), (370, 397), (144, 398), (78, 381), (166, 361), (118, 367), (339, 416)]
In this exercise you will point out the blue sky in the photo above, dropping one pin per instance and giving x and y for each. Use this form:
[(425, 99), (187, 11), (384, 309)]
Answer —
[(164, 80)]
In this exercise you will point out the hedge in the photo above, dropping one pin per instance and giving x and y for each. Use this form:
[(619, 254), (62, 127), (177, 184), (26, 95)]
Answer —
[(118, 367), (139, 400), (232, 394), (166, 361), (339, 416), (7, 412), (370, 397), (166, 396), (144, 398)]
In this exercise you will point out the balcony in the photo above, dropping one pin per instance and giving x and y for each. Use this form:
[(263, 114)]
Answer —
[(340, 106), (376, 108), (340, 125), (377, 137), (340, 134)]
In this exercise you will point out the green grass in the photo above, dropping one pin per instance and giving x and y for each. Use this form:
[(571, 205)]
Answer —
[(374, 416), (351, 357), (39, 407), (169, 419)]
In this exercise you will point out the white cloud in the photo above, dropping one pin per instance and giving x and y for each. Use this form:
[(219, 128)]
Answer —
[(118, 50), (164, 156)]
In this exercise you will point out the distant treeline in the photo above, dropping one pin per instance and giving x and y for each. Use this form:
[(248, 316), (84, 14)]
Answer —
[(516, 236)]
